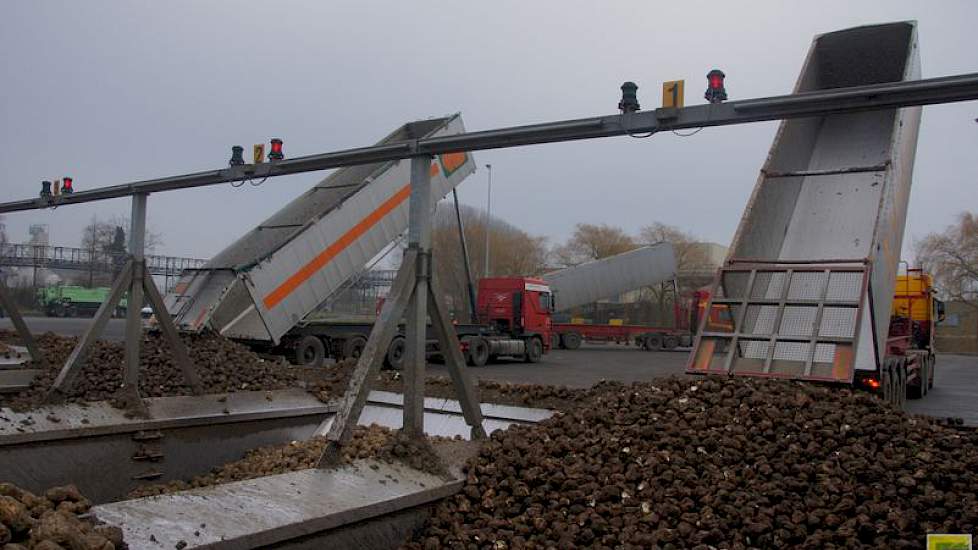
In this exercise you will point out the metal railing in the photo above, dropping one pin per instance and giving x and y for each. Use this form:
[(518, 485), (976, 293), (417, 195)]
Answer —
[(84, 259)]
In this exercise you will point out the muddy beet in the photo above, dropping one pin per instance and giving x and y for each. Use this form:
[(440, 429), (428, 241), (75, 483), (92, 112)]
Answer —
[(716, 463), (223, 366), (54, 520)]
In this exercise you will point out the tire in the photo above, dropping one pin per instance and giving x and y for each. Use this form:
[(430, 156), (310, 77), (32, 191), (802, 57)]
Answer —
[(886, 381), (571, 340), (653, 342), (931, 372), (353, 347), (309, 352), (534, 350), (904, 384), (477, 354), (919, 390), (394, 358), (670, 342)]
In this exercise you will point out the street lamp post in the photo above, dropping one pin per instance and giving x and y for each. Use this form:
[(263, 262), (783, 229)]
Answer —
[(488, 216)]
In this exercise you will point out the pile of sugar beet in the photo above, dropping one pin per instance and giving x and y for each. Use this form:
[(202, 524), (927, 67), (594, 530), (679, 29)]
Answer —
[(715, 463), (52, 521), (223, 366)]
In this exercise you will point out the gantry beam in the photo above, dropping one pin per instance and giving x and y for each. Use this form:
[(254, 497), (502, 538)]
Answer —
[(823, 102)]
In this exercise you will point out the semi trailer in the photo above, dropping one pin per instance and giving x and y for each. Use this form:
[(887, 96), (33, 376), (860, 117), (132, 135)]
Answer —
[(688, 309), (812, 270)]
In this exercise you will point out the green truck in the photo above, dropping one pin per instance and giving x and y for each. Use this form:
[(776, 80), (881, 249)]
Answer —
[(74, 301)]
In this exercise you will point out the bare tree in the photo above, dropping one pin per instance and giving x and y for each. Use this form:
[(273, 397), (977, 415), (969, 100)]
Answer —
[(688, 255), (107, 242), (951, 256), (106, 236), (592, 242), (514, 252), (3, 231)]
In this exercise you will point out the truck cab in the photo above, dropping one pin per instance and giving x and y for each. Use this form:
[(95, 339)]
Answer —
[(519, 307)]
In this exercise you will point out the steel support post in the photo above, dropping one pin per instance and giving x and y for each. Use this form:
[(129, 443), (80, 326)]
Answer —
[(8, 304), (134, 323), (416, 337)]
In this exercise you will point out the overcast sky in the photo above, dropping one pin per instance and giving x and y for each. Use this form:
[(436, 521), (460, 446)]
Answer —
[(111, 92)]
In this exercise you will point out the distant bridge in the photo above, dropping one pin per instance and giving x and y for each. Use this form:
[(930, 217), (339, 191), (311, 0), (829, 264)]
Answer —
[(83, 259)]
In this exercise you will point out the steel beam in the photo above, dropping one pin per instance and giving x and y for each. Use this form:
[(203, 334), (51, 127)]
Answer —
[(416, 337), (822, 102), (452, 352)]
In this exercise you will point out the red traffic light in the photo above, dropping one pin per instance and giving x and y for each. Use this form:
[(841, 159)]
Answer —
[(276, 152), (715, 92), (66, 187)]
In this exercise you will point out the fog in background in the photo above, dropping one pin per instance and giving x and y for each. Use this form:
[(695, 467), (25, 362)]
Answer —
[(110, 92)]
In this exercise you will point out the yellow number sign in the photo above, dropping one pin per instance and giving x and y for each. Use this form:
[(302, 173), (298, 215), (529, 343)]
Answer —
[(673, 93), (259, 153)]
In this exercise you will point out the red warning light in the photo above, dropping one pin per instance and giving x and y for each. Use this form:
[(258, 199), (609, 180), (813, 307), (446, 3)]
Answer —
[(276, 152), (715, 92), (66, 187)]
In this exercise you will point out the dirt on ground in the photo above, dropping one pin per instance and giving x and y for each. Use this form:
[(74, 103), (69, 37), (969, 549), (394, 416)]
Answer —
[(51, 521), (376, 442), (716, 463), (223, 366)]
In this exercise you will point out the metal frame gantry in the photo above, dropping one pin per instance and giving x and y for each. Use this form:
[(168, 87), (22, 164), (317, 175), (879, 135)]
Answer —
[(134, 279), (414, 291)]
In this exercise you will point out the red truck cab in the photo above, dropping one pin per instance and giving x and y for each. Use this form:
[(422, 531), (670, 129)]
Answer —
[(519, 307)]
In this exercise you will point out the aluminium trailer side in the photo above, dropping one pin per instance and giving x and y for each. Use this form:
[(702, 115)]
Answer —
[(612, 276), (811, 271), (264, 284)]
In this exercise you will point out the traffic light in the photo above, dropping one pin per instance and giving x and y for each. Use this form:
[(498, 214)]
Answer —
[(45, 189), (629, 98), (237, 156), (276, 152), (66, 186), (715, 92)]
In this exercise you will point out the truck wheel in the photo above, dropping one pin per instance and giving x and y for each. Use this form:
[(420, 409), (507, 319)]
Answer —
[(395, 354), (933, 361), (534, 350), (919, 390), (353, 347), (902, 381), (309, 352), (670, 342), (571, 340), (653, 342), (478, 351), (886, 382)]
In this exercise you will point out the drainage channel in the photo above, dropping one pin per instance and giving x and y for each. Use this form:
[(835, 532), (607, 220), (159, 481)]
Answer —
[(367, 504), (107, 454)]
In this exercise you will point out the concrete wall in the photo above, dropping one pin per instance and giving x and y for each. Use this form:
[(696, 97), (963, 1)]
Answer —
[(959, 331)]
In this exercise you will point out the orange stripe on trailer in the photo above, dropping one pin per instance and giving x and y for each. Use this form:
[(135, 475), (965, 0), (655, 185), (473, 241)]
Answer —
[(304, 273)]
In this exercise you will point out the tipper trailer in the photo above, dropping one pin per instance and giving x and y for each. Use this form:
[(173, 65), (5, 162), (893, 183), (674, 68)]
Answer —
[(261, 288), (812, 269)]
